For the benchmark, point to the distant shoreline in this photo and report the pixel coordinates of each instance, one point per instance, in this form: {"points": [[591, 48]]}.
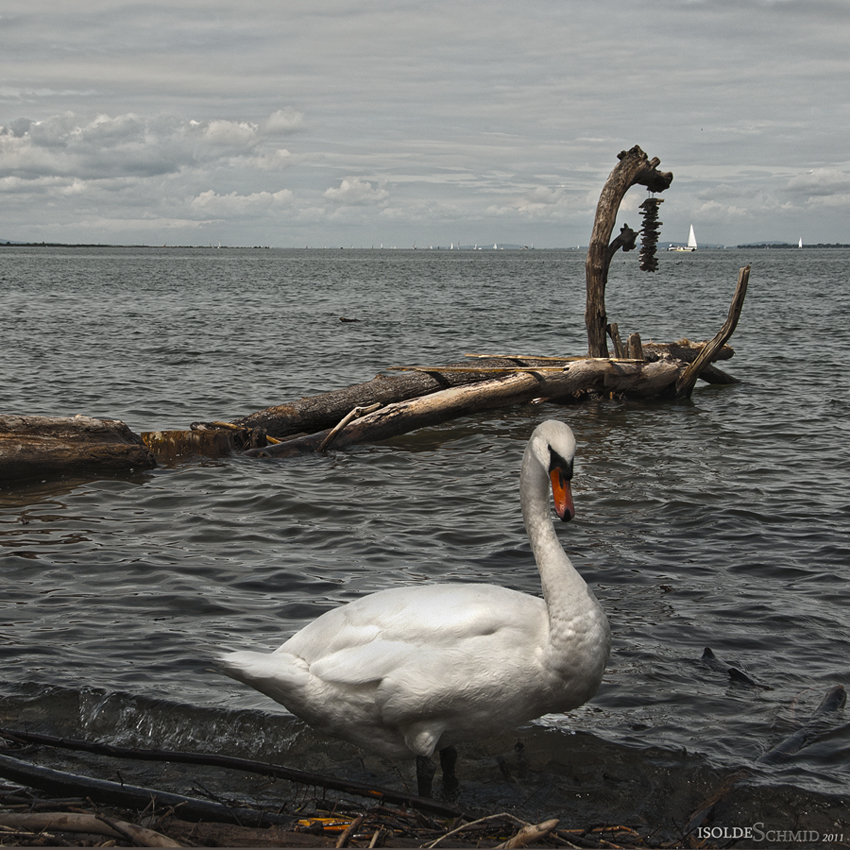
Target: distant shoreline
{"points": [[779, 246], [7, 244]]}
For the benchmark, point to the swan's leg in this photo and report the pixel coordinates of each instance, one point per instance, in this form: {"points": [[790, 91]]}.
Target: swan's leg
{"points": [[448, 760], [425, 771]]}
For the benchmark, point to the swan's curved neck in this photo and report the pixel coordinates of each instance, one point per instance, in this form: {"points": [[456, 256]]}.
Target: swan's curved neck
{"points": [[565, 591]]}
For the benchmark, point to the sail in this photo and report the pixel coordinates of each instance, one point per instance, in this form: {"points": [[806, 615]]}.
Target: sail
{"points": [[692, 240], [801, 243]]}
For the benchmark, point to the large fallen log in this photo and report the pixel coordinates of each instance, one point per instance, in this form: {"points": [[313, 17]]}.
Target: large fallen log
{"points": [[317, 413], [308, 415], [636, 379], [56, 445]]}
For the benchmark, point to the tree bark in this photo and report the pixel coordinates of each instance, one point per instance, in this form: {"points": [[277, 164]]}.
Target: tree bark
{"points": [[219, 440], [634, 167], [52, 445], [687, 351]]}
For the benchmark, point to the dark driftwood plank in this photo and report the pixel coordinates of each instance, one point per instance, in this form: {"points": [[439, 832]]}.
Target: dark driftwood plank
{"points": [[131, 796]]}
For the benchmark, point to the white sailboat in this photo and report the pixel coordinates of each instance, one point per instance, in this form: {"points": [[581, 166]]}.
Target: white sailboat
{"points": [[800, 245], [691, 246]]}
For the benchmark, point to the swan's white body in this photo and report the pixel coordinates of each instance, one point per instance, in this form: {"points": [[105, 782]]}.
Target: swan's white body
{"points": [[409, 670]]}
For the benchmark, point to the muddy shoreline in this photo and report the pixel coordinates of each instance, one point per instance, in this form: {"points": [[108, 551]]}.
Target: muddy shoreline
{"points": [[602, 795]]}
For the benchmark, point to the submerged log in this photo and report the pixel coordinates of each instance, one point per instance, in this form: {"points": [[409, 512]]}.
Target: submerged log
{"points": [[818, 725], [320, 412], [56, 445], [327, 409], [637, 379]]}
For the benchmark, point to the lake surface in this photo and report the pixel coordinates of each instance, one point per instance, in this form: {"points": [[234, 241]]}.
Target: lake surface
{"points": [[720, 522]]}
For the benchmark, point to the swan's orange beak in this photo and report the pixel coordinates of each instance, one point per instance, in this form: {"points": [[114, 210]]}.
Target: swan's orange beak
{"points": [[562, 494]]}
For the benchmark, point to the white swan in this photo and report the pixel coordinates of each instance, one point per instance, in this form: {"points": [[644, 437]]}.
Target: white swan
{"points": [[411, 670]]}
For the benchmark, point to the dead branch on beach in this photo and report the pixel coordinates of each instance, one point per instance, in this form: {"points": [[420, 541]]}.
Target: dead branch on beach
{"points": [[75, 809], [15, 769]]}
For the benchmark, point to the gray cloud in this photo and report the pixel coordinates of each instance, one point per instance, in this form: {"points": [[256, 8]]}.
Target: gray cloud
{"points": [[820, 183], [395, 121], [353, 191]]}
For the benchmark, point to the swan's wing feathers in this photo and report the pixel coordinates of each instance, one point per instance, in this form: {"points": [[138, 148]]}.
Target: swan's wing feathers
{"points": [[427, 615], [367, 663], [418, 632], [440, 614]]}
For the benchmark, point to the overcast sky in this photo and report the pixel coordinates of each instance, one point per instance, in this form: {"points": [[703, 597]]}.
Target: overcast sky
{"points": [[360, 122]]}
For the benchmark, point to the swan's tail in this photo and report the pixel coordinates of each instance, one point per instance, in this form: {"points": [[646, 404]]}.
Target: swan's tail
{"points": [[275, 674]]}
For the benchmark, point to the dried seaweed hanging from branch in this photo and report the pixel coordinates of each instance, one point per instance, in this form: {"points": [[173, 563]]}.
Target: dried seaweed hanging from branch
{"points": [[649, 234]]}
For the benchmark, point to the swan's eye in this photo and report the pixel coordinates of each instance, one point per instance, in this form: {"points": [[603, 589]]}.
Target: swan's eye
{"points": [[557, 462]]}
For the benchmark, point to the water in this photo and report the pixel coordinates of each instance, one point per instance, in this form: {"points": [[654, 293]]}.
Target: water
{"points": [[719, 522]]}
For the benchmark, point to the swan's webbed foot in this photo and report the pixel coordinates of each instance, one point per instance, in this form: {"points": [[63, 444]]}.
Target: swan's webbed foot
{"points": [[425, 771]]}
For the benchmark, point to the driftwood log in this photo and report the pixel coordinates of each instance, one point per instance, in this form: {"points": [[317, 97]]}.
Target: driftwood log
{"points": [[314, 414], [643, 379], [308, 415], [633, 168], [57, 445]]}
